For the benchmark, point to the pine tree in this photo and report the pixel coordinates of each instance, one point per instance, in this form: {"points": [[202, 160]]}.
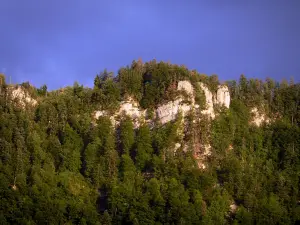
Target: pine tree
{"points": [[144, 148]]}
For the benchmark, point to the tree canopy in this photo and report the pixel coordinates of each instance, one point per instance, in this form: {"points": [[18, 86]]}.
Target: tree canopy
{"points": [[58, 166]]}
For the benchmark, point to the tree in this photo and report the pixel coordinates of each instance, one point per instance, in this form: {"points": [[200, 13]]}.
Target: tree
{"points": [[144, 148], [243, 85], [42, 91], [131, 82], [126, 135], [101, 78], [106, 219], [2, 83], [71, 148], [94, 168]]}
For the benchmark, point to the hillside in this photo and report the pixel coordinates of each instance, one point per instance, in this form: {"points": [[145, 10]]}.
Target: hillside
{"points": [[155, 144]]}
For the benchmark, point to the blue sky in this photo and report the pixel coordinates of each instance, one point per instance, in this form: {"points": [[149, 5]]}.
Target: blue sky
{"points": [[59, 41]]}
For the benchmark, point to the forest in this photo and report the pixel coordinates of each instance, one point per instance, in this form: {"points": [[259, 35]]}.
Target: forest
{"points": [[59, 165]]}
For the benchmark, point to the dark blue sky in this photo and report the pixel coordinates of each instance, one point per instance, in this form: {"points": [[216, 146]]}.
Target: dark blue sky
{"points": [[59, 41]]}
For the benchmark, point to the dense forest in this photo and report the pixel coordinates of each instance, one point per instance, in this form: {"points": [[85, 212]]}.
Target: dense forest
{"points": [[58, 165]]}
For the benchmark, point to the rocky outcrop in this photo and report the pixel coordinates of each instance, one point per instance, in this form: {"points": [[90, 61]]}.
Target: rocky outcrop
{"points": [[188, 88], [22, 97], [169, 111], [258, 117], [223, 96], [209, 101], [129, 108], [233, 207]]}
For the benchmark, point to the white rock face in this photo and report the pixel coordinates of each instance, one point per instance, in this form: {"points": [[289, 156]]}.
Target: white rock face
{"points": [[187, 87], [207, 150], [99, 113], [169, 111], [258, 118], [209, 101], [223, 96], [233, 207], [177, 146], [129, 108], [22, 97], [201, 165]]}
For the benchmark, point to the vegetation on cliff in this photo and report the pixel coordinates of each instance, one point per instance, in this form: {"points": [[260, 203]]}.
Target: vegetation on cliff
{"points": [[59, 166]]}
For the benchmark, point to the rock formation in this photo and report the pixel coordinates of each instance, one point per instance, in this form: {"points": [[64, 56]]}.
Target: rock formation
{"points": [[223, 96], [169, 111], [22, 97], [258, 117], [130, 108], [209, 101]]}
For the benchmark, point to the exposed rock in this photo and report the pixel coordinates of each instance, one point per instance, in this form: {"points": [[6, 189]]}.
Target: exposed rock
{"points": [[22, 96], [207, 150], [223, 96], [177, 146], [169, 111], [209, 101], [258, 118], [100, 113], [233, 208], [186, 86], [129, 108], [201, 165]]}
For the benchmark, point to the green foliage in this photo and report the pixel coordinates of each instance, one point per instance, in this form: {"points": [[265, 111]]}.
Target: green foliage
{"points": [[131, 82], [42, 91], [106, 92], [126, 135], [144, 148], [59, 165], [200, 97]]}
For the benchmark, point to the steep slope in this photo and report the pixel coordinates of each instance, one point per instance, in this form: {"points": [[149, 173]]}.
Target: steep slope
{"points": [[168, 112], [128, 150], [21, 96]]}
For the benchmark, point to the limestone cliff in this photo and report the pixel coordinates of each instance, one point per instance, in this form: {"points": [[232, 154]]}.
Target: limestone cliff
{"points": [[258, 117], [169, 111], [128, 107], [21, 96], [223, 96], [209, 101]]}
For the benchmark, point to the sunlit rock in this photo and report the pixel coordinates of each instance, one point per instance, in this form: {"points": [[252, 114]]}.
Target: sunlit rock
{"points": [[258, 117], [169, 111], [129, 108], [223, 96], [22, 97], [233, 208], [209, 101]]}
